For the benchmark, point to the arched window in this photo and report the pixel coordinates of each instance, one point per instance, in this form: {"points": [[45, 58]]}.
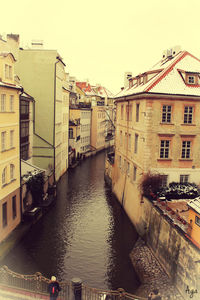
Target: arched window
{"points": [[12, 171], [3, 178]]}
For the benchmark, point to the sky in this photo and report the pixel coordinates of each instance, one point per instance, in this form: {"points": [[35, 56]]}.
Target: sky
{"points": [[100, 40]]}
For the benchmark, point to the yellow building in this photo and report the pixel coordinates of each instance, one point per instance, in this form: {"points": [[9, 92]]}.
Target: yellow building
{"points": [[98, 128], [157, 127], [194, 221], [10, 208]]}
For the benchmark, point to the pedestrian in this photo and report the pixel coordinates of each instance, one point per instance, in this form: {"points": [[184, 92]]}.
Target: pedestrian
{"points": [[53, 288], [154, 295]]}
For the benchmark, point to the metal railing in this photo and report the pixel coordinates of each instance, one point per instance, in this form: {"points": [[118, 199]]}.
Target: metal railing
{"points": [[74, 289]]}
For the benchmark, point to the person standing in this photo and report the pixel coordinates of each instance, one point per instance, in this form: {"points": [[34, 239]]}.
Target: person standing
{"points": [[53, 288], [154, 295]]}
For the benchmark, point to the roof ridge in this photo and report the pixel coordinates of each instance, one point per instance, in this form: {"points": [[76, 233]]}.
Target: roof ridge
{"points": [[166, 71]]}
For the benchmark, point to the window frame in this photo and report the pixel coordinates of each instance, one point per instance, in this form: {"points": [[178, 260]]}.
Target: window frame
{"points": [[188, 116], [166, 115], [185, 150], [165, 149], [184, 178]]}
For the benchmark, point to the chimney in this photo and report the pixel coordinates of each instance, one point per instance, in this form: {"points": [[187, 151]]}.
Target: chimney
{"points": [[127, 76]]}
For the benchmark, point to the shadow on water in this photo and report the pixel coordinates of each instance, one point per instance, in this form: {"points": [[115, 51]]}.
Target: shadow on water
{"points": [[86, 234]]}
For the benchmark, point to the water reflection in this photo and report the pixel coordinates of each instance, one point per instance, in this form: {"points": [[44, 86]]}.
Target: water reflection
{"points": [[86, 234]]}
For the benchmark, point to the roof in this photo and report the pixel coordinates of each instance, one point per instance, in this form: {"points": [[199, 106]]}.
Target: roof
{"points": [[5, 54], [27, 96], [92, 90], [167, 77], [195, 204], [10, 85], [28, 170]]}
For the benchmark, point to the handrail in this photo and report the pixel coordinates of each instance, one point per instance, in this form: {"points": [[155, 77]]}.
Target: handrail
{"points": [[37, 283]]}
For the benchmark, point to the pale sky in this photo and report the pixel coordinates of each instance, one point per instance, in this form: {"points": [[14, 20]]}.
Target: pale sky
{"points": [[100, 40]]}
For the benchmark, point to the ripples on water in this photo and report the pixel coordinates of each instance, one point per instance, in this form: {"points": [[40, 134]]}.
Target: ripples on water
{"points": [[86, 234]]}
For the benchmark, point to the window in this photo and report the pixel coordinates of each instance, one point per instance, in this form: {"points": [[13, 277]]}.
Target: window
{"points": [[191, 79], [11, 138], [125, 140], [127, 112], [3, 141], [120, 138], [3, 102], [6, 71], [24, 107], [14, 207], [11, 103], [128, 168], [188, 111], [186, 147], [166, 113], [12, 171], [70, 133], [24, 129], [129, 142], [197, 220], [134, 173], [10, 72], [184, 178], [136, 143], [4, 215], [125, 165], [130, 112], [137, 112], [164, 149], [3, 177], [122, 111], [164, 179], [24, 152]]}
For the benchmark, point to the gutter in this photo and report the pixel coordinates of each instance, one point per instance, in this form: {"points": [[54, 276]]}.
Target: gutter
{"points": [[54, 120], [20, 168], [150, 95]]}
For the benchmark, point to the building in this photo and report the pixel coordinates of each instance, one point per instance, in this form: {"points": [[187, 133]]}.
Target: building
{"points": [[26, 126], [194, 221], [157, 124], [42, 74], [102, 119], [10, 206]]}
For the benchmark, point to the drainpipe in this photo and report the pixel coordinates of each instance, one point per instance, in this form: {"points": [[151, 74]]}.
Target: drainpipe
{"points": [[54, 120], [20, 168]]}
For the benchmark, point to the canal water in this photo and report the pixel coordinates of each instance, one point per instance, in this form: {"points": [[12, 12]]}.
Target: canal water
{"points": [[86, 234]]}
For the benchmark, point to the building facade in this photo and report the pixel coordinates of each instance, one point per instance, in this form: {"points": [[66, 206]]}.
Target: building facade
{"points": [[42, 74], [10, 206]]}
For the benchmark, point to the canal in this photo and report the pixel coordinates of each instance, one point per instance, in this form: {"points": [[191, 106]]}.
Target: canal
{"points": [[86, 234]]}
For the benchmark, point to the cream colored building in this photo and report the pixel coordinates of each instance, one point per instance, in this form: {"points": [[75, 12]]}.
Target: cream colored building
{"points": [[157, 127], [42, 75], [10, 207]]}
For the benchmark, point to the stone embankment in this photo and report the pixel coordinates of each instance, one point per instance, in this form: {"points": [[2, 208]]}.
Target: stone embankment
{"points": [[151, 273]]}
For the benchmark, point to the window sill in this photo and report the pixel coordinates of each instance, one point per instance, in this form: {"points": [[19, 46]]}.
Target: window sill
{"points": [[164, 159], [166, 123], [186, 159], [188, 124], [5, 184]]}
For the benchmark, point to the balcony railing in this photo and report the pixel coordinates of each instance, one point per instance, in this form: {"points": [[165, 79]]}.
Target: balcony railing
{"points": [[38, 284]]}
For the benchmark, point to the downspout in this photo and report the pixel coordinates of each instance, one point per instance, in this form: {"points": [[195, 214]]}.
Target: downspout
{"points": [[54, 125], [20, 168]]}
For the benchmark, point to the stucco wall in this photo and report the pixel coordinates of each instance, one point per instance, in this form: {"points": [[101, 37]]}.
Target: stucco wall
{"points": [[178, 256]]}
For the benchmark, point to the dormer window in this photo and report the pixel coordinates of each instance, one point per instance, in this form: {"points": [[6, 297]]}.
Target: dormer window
{"points": [[191, 78]]}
